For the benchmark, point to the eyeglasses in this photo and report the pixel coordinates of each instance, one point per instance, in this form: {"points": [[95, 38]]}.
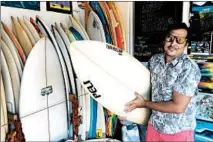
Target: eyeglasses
{"points": [[179, 40]]}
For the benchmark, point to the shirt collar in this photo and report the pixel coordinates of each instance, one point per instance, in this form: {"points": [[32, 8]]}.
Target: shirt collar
{"points": [[174, 61]]}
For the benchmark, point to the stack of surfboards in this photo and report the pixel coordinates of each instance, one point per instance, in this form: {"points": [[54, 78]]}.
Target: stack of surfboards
{"points": [[15, 47], [38, 77], [104, 23], [4, 120], [93, 123], [27, 73], [58, 37]]}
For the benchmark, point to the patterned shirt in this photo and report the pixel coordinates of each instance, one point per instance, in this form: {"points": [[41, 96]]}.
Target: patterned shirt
{"points": [[182, 75]]}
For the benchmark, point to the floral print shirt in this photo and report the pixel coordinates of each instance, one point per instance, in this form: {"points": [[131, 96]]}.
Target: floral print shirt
{"points": [[182, 75]]}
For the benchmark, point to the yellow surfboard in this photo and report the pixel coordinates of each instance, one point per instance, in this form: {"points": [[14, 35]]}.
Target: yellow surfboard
{"points": [[22, 36], [120, 31], [112, 24], [15, 41]]}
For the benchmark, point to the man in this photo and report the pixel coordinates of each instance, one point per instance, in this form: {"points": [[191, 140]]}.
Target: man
{"points": [[174, 80]]}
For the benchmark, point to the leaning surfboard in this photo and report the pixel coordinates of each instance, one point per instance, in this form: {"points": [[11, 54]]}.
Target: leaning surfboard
{"points": [[4, 121], [15, 41], [10, 99], [22, 36], [111, 76], [13, 73], [43, 109], [95, 28]]}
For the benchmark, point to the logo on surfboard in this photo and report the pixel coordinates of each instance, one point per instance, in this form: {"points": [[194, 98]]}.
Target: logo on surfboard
{"points": [[115, 49], [46, 91], [91, 88]]}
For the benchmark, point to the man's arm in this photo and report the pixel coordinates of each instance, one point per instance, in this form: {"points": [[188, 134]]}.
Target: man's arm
{"points": [[177, 105]]}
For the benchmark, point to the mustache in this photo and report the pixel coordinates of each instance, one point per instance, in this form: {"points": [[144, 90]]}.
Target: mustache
{"points": [[173, 47]]}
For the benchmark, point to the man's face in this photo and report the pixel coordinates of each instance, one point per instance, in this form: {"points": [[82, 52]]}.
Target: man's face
{"points": [[175, 43]]}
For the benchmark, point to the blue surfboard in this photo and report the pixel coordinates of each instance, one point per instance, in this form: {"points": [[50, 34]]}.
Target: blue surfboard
{"points": [[76, 34]]}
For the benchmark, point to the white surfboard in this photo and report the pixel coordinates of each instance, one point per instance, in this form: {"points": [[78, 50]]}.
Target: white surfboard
{"points": [[46, 30], [65, 54], [13, 51], [82, 132], [63, 35], [111, 76], [4, 121], [43, 109], [13, 73], [10, 100], [75, 25], [95, 28], [67, 60]]}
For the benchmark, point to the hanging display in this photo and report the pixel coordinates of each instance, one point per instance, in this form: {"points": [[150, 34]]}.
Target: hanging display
{"points": [[33, 5], [60, 6]]}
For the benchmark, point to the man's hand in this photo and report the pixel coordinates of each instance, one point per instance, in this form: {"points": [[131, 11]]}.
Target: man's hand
{"points": [[138, 102]]}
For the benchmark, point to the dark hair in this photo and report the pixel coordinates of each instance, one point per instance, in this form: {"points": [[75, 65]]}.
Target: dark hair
{"points": [[179, 26]]}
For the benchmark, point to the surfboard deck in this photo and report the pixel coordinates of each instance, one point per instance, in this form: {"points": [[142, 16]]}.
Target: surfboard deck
{"points": [[49, 119], [45, 29], [101, 59]]}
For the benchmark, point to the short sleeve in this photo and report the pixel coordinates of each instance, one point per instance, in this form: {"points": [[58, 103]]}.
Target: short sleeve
{"points": [[188, 80], [150, 62]]}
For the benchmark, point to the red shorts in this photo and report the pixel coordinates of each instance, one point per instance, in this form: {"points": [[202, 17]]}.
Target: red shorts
{"points": [[153, 135]]}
